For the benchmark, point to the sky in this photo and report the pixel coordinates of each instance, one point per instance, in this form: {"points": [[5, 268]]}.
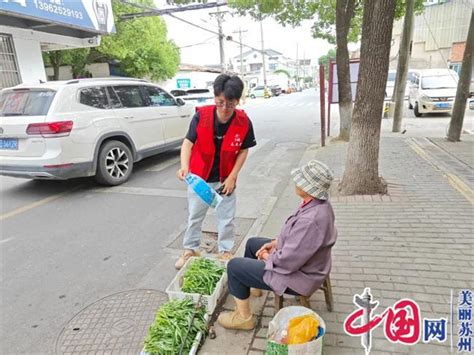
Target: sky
{"points": [[282, 39]]}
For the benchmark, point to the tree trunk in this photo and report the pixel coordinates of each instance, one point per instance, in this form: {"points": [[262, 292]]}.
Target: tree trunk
{"points": [[55, 59], [344, 15], [361, 174], [402, 67], [462, 92]]}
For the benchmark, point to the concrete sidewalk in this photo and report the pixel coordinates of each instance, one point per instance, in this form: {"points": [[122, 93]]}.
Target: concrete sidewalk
{"points": [[416, 242]]}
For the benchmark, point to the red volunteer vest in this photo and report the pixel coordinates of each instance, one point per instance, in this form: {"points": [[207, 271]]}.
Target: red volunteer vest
{"points": [[203, 152]]}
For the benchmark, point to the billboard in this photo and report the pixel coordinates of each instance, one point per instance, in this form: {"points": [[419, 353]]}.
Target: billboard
{"points": [[90, 15], [333, 80]]}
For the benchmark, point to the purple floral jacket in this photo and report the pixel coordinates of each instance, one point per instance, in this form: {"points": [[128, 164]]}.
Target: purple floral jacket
{"points": [[302, 258]]}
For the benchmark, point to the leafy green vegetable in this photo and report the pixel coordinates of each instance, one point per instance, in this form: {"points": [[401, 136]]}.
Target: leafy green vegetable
{"points": [[171, 324], [202, 277]]}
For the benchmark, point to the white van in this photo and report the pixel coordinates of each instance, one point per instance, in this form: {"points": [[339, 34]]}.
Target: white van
{"points": [[432, 90]]}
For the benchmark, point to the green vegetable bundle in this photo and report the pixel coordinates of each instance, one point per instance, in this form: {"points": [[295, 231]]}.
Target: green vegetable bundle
{"points": [[202, 277], [171, 325]]}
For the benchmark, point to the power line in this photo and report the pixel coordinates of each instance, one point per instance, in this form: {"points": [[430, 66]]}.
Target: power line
{"points": [[156, 12], [197, 44], [149, 11]]}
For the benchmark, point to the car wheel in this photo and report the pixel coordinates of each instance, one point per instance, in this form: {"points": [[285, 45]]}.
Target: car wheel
{"points": [[410, 106], [114, 164], [252, 96], [417, 113]]}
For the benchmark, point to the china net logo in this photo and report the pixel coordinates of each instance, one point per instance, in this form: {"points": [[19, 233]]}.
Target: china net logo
{"points": [[403, 324]]}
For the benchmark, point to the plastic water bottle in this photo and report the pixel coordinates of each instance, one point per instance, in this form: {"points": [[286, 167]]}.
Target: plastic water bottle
{"points": [[205, 192]]}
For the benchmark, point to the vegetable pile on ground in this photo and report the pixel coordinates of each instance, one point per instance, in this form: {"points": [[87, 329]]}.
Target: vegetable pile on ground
{"points": [[171, 325], [202, 277]]}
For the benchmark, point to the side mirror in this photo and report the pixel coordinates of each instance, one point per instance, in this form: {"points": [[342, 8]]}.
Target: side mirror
{"points": [[180, 101]]}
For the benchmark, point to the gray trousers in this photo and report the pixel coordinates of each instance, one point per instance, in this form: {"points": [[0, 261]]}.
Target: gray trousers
{"points": [[225, 214]]}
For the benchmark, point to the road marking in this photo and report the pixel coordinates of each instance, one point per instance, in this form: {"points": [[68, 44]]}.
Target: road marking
{"points": [[143, 191], [459, 185], [5, 240], [164, 165], [453, 179], [35, 204]]}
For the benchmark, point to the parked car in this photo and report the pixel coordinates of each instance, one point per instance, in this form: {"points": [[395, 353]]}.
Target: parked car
{"points": [[199, 97], [390, 86], [87, 127], [432, 90], [178, 92], [276, 90], [259, 91]]}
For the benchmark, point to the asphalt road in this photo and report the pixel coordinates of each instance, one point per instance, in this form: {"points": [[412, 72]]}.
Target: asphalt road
{"points": [[65, 245]]}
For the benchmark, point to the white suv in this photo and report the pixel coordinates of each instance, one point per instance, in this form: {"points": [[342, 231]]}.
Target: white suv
{"points": [[88, 127]]}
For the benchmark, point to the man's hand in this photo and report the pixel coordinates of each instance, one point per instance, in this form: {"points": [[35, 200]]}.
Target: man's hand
{"points": [[266, 248], [181, 173], [229, 185]]}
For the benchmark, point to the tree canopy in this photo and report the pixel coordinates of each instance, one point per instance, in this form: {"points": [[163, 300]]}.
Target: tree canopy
{"points": [[323, 12], [140, 46]]}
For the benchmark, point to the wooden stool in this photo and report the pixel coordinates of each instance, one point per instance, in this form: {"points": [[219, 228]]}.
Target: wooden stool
{"points": [[304, 300]]}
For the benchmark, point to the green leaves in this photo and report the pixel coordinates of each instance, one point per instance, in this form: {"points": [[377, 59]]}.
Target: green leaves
{"points": [[170, 328], [202, 277], [141, 45]]}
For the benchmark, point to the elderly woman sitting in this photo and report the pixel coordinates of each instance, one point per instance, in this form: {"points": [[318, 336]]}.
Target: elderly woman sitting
{"points": [[298, 261]]}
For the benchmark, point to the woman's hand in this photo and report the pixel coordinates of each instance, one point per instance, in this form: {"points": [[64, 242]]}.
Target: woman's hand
{"points": [[266, 248], [181, 173], [229, 185], [263, 255]]}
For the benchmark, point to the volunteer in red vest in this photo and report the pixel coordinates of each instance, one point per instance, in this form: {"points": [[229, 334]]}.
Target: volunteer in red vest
{"points": [[215, 148]]}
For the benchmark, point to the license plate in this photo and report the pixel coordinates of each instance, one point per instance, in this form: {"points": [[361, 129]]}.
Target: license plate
{"points": [[9, 143], [443, 105]]}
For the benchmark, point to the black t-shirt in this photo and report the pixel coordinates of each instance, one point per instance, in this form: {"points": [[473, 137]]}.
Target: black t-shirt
{"points": [[220, 129]]}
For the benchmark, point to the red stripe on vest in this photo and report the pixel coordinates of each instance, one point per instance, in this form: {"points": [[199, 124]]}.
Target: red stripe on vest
{"points": [[203, 152]]}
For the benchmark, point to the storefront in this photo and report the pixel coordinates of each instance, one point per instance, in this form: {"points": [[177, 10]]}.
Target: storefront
{"points": [[29, 27]]}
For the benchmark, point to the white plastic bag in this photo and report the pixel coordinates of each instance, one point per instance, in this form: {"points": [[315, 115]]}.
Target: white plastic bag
{"points": [[280, 322]]}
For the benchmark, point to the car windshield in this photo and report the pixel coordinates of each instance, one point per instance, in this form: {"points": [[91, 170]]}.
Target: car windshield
{"points": [[26, 102], [438, 82]]}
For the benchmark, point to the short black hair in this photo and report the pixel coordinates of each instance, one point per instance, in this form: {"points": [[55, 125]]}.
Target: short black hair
{"points": [[231, 86]]}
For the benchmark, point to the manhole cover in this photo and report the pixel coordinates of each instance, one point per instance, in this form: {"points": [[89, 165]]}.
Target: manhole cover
{"points": [[116, 324]]}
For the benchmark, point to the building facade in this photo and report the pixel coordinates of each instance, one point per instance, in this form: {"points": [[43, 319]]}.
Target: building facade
{"points": [[27, 28], [279, 70], [438, 30]]}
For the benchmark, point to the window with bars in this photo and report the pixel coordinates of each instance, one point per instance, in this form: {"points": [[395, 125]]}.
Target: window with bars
{"points": [[9, 73]]}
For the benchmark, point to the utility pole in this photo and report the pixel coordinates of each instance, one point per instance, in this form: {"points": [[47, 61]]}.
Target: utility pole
{"points": [[404, 54], [297, 68], [241, 51], [462, 92], [220, 18], [304, 69], [263, 57]]}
